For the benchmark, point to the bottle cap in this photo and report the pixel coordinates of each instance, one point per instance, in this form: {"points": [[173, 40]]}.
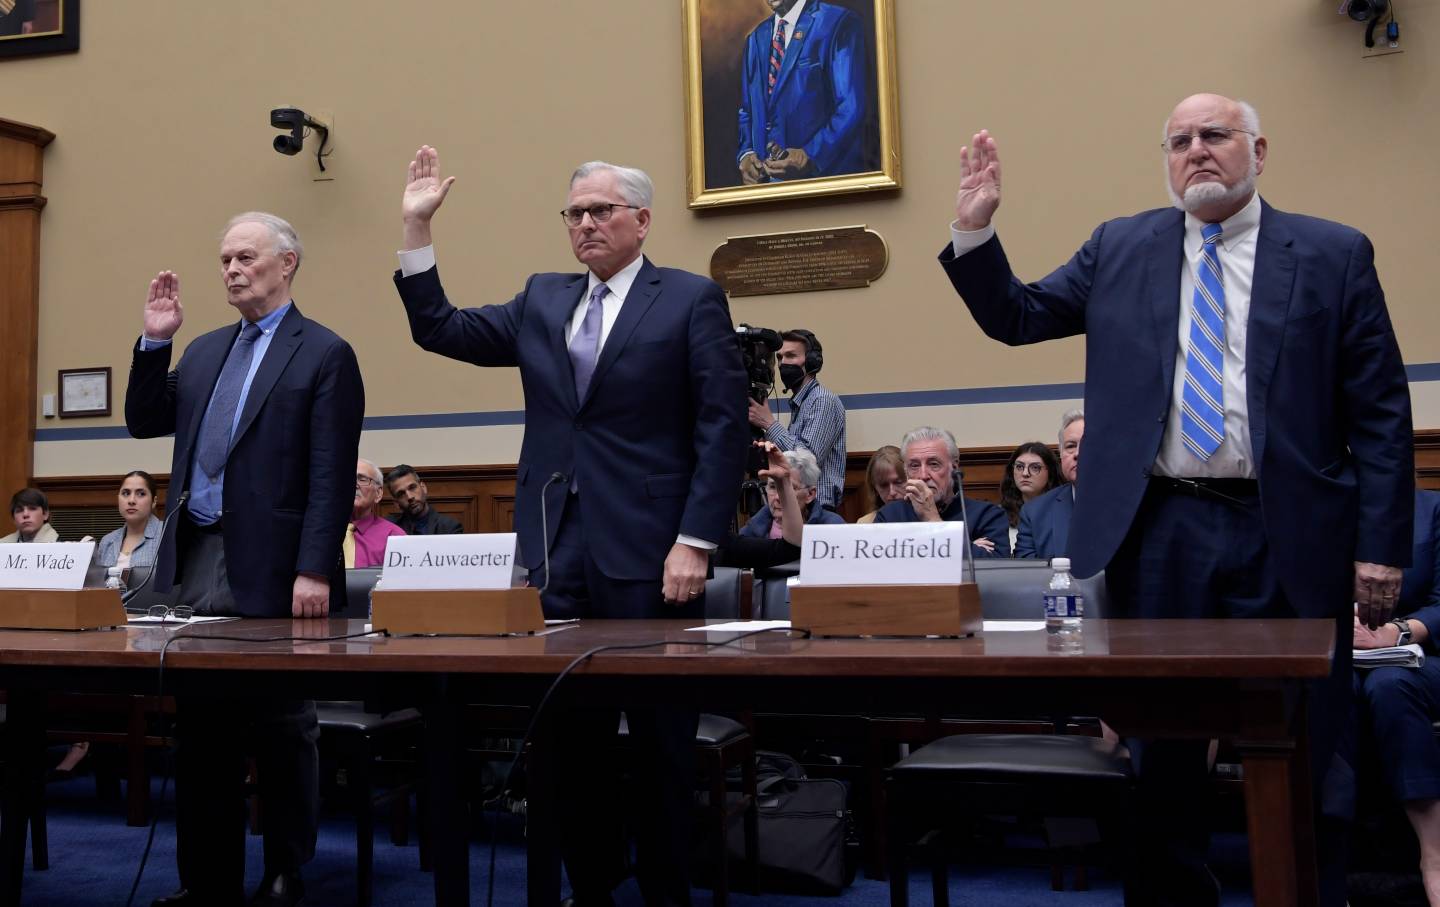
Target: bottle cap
{"points": [[1060, 563]]}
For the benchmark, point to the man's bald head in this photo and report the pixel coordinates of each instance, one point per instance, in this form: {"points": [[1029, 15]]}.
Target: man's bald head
{"points": [[1214, 152]]}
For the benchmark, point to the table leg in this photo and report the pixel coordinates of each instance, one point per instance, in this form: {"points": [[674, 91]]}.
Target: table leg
{"points": [[24, 785], [542, 839], [1281, 825], [445, 810]]}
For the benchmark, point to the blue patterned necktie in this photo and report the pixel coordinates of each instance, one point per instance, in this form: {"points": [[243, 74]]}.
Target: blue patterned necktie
{"points": [[214, 444], [585, 345], [1202, 412]]}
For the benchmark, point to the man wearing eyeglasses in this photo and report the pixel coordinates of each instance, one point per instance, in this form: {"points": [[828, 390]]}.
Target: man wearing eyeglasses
{"points": [[365, 537], [635, 438], [1251, 451]]}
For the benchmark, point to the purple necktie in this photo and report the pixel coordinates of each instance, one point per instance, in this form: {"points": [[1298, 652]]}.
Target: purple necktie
{"points": [[585, 345]]}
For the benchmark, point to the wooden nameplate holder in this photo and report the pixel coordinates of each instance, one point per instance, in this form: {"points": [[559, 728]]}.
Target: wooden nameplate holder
{"points": [[470, 612], [931, 609], [61, 609]]}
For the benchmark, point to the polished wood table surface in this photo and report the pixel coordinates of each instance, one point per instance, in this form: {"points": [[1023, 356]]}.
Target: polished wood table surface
{"points": [[1232, 679]]}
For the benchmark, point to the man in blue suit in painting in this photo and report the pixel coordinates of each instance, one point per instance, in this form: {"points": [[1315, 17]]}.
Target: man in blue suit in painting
{"points": [[805, 103], [1251, 447], [635, 438], [1045, 521]]}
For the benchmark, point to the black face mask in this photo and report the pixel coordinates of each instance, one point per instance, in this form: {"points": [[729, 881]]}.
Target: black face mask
{"points": [[792, 376]]}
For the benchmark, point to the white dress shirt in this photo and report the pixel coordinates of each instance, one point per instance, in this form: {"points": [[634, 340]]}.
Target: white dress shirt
{"points": [[1237, 264]]}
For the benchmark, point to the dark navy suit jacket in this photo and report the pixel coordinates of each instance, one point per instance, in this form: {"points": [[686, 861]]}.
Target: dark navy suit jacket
{"points": [[821, 101], [1045, 524], [1420, 590], [987, 521], [289, 480], [1329, 406], [658, 444]]}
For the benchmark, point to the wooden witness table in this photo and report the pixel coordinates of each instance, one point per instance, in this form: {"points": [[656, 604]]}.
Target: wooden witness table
{"points": [[1234, 679]]}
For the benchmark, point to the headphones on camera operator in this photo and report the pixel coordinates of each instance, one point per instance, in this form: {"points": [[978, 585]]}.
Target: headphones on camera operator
{"points": [[814, 357]]}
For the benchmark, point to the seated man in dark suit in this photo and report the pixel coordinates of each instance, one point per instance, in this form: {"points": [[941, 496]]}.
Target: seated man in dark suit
{"points": [[1045, 521], [416, 516], [932, 485]]}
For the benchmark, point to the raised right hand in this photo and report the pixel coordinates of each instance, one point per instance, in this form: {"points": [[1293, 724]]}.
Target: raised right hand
{"points": [[979, 193], [163, 312], [777, 468], [424, 189]]}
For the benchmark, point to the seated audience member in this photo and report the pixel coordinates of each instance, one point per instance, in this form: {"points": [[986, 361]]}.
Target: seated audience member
{"points": [[1400, 705], [804, 473], [766, 549], [932, 485], [136, 543], [1031, 471], [365, 537], [416, 516], [30, 510], [1044, 530], [884, 481]]}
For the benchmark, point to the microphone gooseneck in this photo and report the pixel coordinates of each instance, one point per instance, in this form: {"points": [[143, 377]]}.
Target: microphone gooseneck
{"points": [[969, 530], [159, 543], [545, 522]]}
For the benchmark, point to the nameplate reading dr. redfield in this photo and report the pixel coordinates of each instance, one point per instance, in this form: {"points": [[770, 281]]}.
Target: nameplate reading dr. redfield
{"points": [[887, 554], [481, 561], [45, 565]]}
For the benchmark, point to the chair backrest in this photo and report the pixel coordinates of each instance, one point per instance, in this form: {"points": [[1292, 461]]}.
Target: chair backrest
{"points": [[1011, 589], [772, 592], [358, 583], [722, 594]]}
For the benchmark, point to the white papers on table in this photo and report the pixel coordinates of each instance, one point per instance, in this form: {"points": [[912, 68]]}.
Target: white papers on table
{"points": [[1411, 656], [745, 626], [171, 620]]}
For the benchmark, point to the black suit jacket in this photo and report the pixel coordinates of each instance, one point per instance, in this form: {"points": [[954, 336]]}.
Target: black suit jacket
{"points": [[289, 480]]}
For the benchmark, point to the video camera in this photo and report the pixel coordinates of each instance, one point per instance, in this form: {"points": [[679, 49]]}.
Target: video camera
{"points": [[758, 347]]}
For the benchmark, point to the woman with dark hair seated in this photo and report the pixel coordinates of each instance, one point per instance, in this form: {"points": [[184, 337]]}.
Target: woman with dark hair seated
{"points": [[884, 481], [1032, 470], [136, 543], [1400, 705]]}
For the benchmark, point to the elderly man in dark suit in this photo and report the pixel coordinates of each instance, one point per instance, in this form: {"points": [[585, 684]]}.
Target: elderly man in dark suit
{"points": [[635, 438], [266, 414], [1251, 445], [933, 493]]}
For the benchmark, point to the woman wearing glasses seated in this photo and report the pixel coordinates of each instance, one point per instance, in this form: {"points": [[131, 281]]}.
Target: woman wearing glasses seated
{"points": [[1031, 471], [773, 535]]}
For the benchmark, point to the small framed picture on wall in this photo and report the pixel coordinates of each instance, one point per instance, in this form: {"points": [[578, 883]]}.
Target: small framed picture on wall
{"points": [[84, 392], [29, 27]]}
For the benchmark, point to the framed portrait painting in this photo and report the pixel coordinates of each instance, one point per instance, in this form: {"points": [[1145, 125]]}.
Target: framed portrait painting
{"points": [[789, 99], [30, 27]]}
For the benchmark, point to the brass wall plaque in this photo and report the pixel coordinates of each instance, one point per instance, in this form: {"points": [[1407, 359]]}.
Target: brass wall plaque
{"points": [[830, 259]]}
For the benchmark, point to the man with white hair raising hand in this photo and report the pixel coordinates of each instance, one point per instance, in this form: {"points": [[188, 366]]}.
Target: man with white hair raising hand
{"points": [[1249, 421]]}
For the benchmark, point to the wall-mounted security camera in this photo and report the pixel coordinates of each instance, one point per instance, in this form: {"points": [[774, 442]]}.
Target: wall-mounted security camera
{"points": [[1371, 12], [296, 121]]}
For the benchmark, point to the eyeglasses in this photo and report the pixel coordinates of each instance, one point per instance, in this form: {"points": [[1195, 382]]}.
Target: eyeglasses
{"points": [[1212, 136], [1029, 469], [366, 482], [574, 217], [180, 612]]}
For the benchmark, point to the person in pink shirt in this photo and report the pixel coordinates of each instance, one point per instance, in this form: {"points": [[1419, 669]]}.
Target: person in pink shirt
{"points": [[365, 537]]}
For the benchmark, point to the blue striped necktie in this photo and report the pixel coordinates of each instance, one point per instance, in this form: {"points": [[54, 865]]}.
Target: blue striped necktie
{"points": [[1202, 413]]}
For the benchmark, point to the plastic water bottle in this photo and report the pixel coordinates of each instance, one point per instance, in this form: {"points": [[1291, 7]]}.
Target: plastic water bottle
{"points": [[1064, 604]]}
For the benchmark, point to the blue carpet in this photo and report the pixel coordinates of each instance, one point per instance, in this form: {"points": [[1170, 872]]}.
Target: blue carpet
{"points": [[93, 856]]}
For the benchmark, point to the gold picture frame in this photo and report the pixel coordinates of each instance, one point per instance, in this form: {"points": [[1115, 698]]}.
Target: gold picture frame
{"points": [[728, 54]]}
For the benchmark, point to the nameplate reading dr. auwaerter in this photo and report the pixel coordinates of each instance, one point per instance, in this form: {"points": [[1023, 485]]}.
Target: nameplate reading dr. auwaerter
{"points": [[482, 561], [883, 554], [831, 259]]}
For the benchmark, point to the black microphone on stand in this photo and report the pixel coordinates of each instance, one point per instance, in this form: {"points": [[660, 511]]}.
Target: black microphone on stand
{"points": [[159, 543], [545, 522], [959, 478]]}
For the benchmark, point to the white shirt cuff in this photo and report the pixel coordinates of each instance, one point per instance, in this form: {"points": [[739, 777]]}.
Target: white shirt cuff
{"points": [[146, 344], [693, 542], [416, 261], [962, 241]]}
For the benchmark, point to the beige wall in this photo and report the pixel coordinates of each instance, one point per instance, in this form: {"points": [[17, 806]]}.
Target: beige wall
{"points": [[162, 132]]}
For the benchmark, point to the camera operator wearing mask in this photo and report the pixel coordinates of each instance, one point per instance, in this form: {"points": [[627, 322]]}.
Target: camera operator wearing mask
{"points": [[817, 417]]}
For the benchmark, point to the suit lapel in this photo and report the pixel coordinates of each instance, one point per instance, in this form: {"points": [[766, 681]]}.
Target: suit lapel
{"points": [[287, 339], [637, 302], [557, 319], [1165, 258], [794, 47], [1270, 297]]}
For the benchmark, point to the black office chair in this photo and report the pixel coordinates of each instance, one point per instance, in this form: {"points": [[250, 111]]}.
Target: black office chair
{"points": [[772, 592], [1039, 775]]}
